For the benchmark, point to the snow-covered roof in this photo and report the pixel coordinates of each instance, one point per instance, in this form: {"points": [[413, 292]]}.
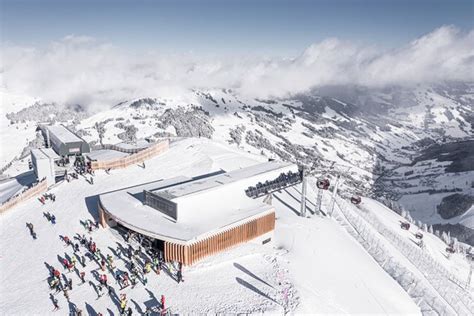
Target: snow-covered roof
{"points": [[105, 154], [44, 153], [63, 134], [126, 207], [139, 144], [205, 205], [220, 180]]}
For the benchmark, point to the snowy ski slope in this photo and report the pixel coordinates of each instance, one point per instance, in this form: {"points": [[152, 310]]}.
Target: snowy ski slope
{"points": [[313, 265]]}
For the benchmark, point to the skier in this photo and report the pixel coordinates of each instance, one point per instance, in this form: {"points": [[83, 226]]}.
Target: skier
{"points": [[110, 261], [147, 267], [123, 303], [53, 219], [67, 240], [93, 247], [74, 261], [66, 294], [83, 261], [66, 263], [97, 255], [82, 275], [133, 279], [156, 264], [103, 279], [162, 302], [137, 252], [69, 284], [125, 280], [54, 282], [102, 265], [99, 291], [31, 228], [70, 267], [179, 276], [118, 251], [56, 273], [55, 303], [117, 276], [83, 240], [110, 290], [92, 180], [129, 311], [59, 286]]}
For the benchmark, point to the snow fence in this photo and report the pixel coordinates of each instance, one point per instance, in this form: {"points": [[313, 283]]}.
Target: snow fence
{"points": [[137, 156], [35, 190]]}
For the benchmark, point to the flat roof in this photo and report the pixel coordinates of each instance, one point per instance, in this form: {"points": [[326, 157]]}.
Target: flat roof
{"points": [[63, 134], [44, 153], [207, 204], [126, 206], [139, 144], [219, 180], [105, 154]]}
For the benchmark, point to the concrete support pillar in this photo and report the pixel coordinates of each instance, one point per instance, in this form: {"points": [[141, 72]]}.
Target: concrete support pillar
{"points": [[303, 197]]}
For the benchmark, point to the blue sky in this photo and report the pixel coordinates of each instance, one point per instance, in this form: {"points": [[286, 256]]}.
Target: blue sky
{"points": [[275, 28]]}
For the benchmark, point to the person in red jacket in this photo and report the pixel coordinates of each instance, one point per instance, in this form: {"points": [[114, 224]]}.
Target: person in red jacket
{"points": [[103, 279], [67, 240], [163, 302], [66, 263]]}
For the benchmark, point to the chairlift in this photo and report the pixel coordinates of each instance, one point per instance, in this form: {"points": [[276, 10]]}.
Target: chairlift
{"points": [[356, 199], [323, 184], [450, 249]]}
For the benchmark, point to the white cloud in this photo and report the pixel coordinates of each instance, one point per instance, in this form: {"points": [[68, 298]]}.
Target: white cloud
{"points": [[79, 69]]}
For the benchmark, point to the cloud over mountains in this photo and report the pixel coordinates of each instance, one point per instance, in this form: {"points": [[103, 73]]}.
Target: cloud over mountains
{"points": [[79, 69]]}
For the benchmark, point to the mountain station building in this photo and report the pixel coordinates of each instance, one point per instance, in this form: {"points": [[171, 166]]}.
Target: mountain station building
{"points": [[191, 218], [65, 142]]}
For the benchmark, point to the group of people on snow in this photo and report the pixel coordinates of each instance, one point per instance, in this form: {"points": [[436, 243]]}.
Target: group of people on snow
{"points": [[138, 263]]}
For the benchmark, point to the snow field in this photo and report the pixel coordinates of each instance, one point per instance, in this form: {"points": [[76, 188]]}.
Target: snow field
{"points": [[325, 271], [430, 284]]}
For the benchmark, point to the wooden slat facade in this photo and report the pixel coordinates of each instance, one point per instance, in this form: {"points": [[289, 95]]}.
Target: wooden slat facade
{"points": [[189, 254]]}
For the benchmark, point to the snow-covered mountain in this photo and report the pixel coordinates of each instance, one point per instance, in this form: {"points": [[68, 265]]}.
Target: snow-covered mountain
{"points": [[409, 148], [369, 136]]}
